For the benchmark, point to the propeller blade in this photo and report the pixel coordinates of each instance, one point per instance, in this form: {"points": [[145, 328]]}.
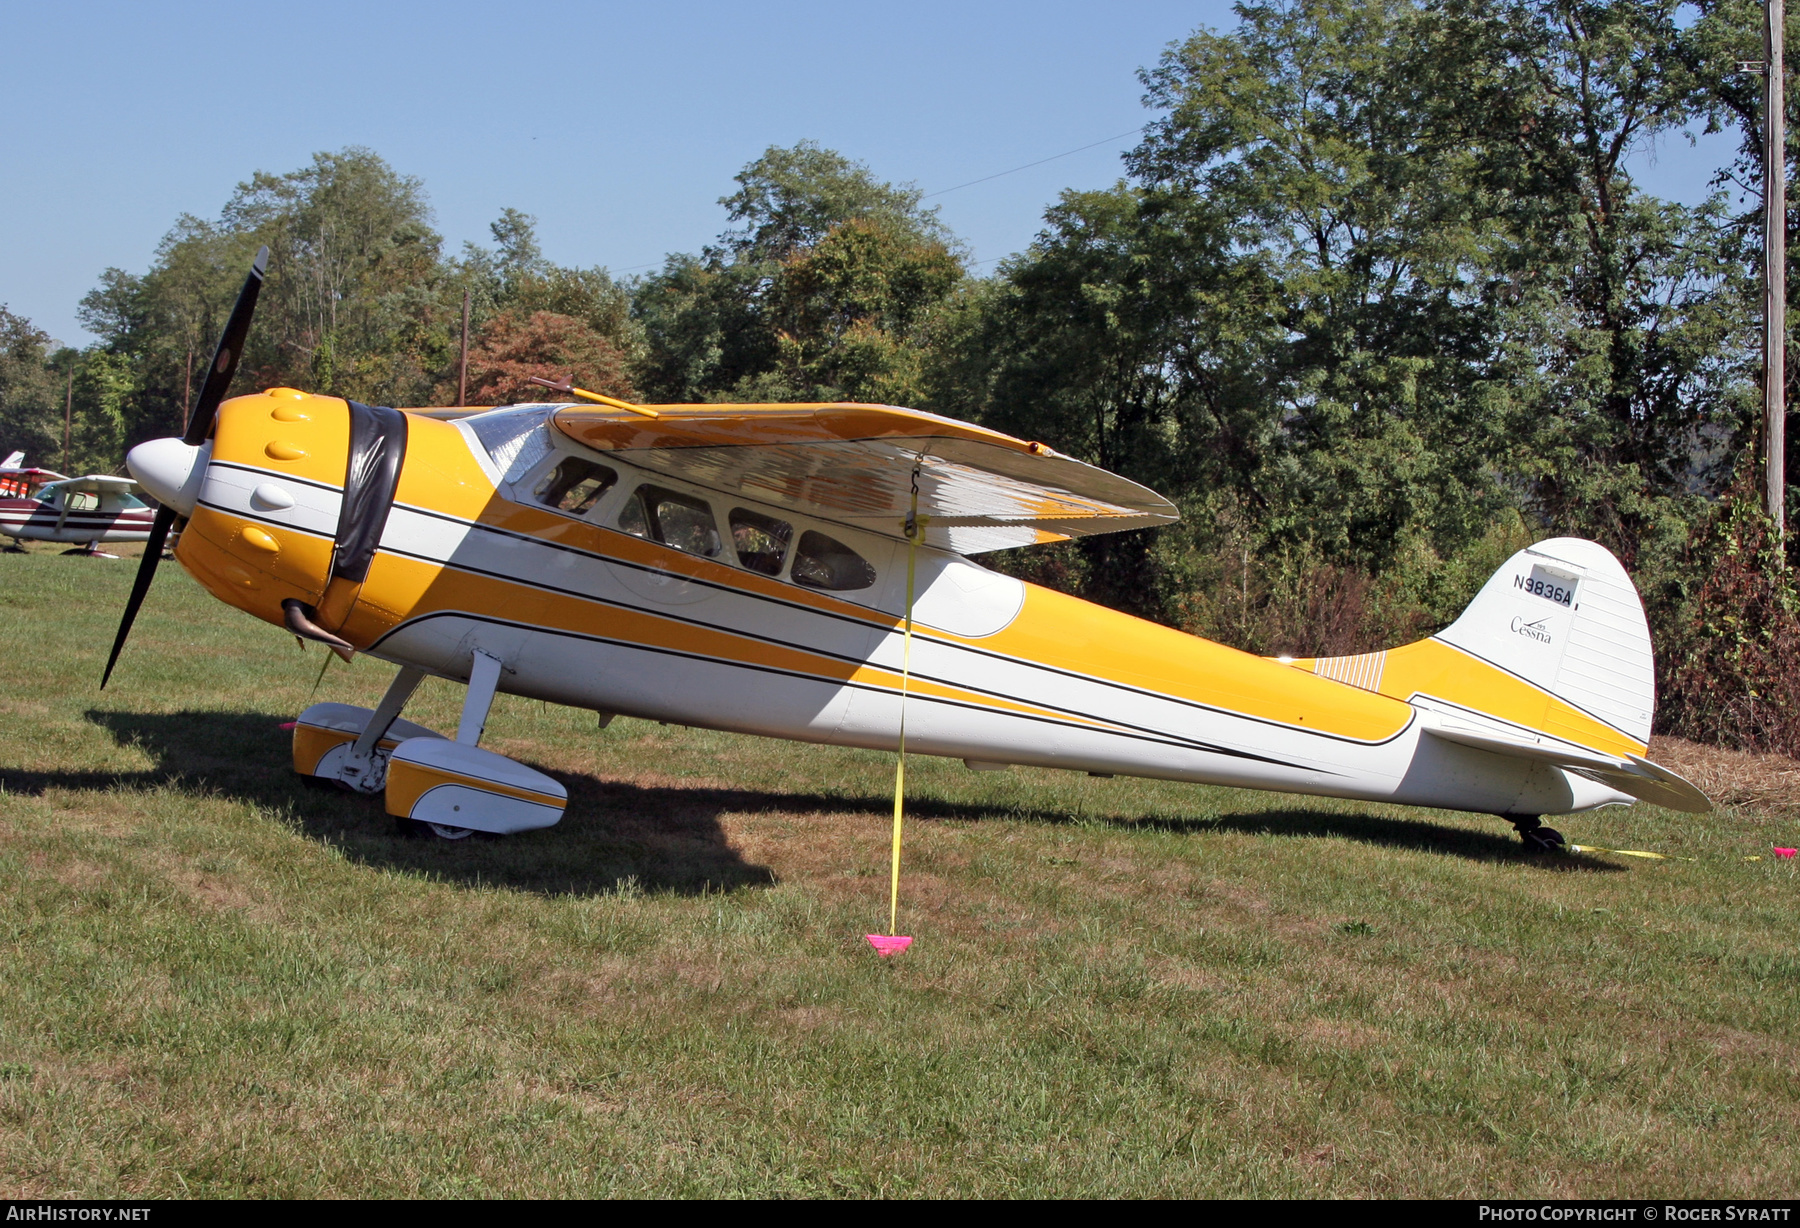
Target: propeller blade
{"points": [[159, 533], [199, 426], [225, 360]]}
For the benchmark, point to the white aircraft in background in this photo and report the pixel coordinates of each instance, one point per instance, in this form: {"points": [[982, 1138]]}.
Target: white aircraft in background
{"points": [[43, 505]]}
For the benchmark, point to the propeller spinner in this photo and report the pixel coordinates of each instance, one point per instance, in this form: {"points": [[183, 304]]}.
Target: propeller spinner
{"points": [[171, 469]]}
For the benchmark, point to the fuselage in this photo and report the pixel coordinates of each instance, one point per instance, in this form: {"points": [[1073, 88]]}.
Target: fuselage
{"points": [[483, 548]]}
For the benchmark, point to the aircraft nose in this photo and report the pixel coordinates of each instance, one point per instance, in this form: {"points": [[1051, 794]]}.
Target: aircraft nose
{"points": [[171, 470]]}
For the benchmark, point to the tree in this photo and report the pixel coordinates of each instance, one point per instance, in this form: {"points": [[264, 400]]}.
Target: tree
{"points": [[510, 350], [30, 407], [358, 302], [820, 290], [790, 199], [1632, 318], [350, 306], [1379, 273], [513, 280]]}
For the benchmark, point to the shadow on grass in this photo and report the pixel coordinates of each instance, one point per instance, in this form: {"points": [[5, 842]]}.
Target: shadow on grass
{"points": [[612, 836], [617, 834], [1419, 835]]}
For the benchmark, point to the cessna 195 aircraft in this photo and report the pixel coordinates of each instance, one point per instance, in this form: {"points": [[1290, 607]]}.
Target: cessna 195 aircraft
{"points": [[746, 567], [40, 505]]}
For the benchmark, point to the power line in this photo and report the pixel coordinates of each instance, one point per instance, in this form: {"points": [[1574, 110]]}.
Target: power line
{"points": [[971, 183], [1053, 157]]}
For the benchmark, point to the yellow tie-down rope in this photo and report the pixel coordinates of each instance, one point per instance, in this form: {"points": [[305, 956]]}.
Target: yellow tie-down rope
{"points": [[1594, 848], [915, 528]]}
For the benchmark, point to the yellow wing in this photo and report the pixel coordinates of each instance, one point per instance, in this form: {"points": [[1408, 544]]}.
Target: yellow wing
{"points": [[854, 464]]}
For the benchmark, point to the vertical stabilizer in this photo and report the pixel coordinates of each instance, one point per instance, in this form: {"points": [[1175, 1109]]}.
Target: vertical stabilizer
{"points": [[1563, 616], [1555, 644]]}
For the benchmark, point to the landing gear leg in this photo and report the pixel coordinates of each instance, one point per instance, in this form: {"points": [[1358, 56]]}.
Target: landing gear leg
{"points": [[366, 771], [484, 678], [1537, 837]]}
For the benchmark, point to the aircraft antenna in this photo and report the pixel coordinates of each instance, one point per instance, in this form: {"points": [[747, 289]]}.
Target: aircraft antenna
{"points": [[568, 389]]}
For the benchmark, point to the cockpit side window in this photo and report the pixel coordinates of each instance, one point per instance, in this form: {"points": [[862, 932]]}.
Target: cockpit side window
{"points": [[575, 485], [672, 518], [827, 563], [761, 541]]}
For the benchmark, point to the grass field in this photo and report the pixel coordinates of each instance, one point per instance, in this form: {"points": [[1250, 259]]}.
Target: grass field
{"points": [[216, 982]]}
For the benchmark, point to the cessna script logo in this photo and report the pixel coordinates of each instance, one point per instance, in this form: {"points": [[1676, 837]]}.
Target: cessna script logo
{"points": [[1533, 630]]}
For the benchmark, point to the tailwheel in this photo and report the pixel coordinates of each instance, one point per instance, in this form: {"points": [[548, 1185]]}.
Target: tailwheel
{"points": [[444, 831], [1537, 837]]}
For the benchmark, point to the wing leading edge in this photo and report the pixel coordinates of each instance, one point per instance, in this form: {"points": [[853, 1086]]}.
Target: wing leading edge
{"points": [[980, 490]]}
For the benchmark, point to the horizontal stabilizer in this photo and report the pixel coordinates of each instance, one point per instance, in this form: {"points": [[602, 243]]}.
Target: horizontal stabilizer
{"points": [[1653, 783], [1650, 782], [1560, 753]]}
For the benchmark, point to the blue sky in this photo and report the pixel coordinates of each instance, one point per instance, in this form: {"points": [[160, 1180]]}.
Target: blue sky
{"points": [[619, 126]]}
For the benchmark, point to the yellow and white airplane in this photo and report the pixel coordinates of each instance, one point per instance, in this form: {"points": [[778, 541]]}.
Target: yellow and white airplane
{"points": [[746, 567]]}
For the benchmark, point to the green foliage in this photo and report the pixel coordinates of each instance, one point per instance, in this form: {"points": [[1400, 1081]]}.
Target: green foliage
{"points": [[515, 277], [1380, 284], [359, 302], [1730, 658], [30, 410], [788, 200], [822, 291], [347, 307]]}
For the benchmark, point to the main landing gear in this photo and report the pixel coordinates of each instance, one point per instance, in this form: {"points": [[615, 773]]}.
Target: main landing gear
{"points": [[450, 790], [1537, 837]]}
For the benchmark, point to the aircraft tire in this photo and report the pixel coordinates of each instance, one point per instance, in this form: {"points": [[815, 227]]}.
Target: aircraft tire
{"points": [[443, 831], [1543, 840], [1536, 837]]}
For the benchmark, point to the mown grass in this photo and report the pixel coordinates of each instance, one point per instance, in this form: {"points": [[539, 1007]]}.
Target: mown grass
{"points": [[216, 982]]}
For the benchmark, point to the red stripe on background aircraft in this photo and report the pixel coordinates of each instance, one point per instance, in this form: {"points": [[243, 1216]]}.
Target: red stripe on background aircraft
{"points": [[745, 567]]}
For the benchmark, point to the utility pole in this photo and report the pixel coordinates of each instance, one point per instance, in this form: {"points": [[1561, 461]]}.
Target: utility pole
{"points": [[462, 363], [1775, 263], [68, 414]]}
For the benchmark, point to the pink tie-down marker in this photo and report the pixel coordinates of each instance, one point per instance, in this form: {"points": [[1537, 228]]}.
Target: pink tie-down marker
{"points": [[886, 945], [1786, 852]]}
